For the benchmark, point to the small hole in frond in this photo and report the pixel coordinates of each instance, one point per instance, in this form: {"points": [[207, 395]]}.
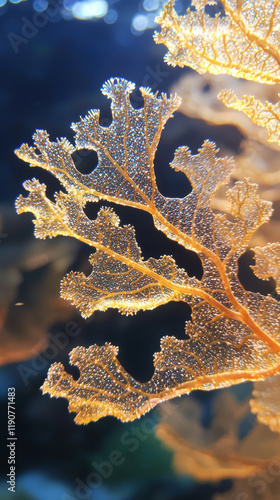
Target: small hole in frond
{"points": [[170, 183], [249, 280], [148, 327], [73, 370], [91, 209], [136, 99], [105, 117], [213, 10], [105, 121], [153, 243], [86, 160]]}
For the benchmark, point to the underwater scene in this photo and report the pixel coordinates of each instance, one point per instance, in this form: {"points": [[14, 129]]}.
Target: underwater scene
{"points": [[140, 254]]}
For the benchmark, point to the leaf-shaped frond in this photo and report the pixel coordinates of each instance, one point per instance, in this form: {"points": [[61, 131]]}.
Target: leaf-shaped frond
{"points": [[199, 100], [243, 43], [233, 334], [266, 115], [220, 352], [249, 211], [266, 402], [120, 277], [125, 150]]}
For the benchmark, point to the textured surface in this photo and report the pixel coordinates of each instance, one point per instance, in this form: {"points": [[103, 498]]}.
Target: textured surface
{"points": [[243, 43], [268, 263], [233, 335], [265, 114], [266, 402]]}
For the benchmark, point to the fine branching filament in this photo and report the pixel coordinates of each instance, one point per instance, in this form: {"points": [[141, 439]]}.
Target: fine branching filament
{"points": [[233, 335]]}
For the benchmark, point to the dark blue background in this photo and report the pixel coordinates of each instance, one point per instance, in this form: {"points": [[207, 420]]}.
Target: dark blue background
{"points": [[53, 80]]}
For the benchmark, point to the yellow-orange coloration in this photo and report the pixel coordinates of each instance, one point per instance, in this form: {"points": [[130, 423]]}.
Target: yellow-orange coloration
{"points": [[266, 402], [216, 452], [200, 99], [268, 263], [243, 488], [234, 334], [267, 115], [243, 43]]}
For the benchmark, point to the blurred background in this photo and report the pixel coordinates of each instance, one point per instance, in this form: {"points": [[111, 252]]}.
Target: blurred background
{"points": [[55, 56]]}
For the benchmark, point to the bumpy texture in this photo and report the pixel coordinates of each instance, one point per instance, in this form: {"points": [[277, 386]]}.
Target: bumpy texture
{"points": [[244, 42], [233, 335]]}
